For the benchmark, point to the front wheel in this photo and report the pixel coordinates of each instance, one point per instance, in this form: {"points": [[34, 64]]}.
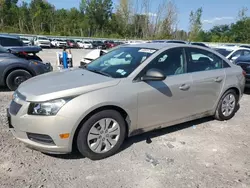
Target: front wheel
{"points": [[16, 77], [101, 135], [227, 106]]}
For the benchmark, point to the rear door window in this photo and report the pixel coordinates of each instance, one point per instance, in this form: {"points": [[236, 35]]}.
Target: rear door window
{"points": [[202, 60]]}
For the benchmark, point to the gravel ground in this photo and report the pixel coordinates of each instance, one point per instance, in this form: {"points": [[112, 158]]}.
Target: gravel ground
{"points": [[201, 153]]}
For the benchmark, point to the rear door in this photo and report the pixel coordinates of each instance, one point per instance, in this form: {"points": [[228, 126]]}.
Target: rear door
{"points": [[208, 78]]}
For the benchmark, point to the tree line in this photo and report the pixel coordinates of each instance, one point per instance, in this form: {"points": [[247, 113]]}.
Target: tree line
{"points": [[129, 19]]}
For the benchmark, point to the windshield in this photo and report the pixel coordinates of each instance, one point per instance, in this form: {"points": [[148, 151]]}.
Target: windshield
{"points": [[223, 52], [3, 50], [24, 39], [121, 62]]}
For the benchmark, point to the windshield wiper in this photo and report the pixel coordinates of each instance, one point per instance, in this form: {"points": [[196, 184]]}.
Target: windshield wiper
{"points": [[98, 72]]}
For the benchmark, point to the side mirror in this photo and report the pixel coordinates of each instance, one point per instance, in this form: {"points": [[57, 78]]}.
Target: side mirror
{"points": [[153, 75]]}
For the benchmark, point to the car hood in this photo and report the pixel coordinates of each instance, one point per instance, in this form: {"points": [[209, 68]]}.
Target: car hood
{"points": [[94, 54], [65, 83]]}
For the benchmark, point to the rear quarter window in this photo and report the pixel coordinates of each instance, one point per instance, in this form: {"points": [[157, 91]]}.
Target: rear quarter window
{"points": [[10, 42]]}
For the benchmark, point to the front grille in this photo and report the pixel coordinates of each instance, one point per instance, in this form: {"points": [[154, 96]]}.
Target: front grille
{"points": [[40, 138], [14, 107]]}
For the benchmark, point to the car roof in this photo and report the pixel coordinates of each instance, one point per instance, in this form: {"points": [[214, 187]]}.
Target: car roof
{"points": [[158, 46], [9, 36]]}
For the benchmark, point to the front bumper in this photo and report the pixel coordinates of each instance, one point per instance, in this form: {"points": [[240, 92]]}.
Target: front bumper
{"points": [[22, 125], [41, 68]]}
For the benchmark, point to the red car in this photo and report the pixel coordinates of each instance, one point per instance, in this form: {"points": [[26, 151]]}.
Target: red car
{"points": [[109, 44], [72, 44]]}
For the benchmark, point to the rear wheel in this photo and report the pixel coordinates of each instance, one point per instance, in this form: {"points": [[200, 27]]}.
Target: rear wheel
{"points": [[101, 135], [227, 105], [16, 77]]}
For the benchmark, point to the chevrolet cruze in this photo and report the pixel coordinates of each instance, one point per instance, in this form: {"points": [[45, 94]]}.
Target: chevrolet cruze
{"points": [[128, 91]]}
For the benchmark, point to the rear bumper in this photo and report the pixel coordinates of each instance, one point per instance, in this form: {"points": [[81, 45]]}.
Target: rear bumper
{"points": [[41, 69]]}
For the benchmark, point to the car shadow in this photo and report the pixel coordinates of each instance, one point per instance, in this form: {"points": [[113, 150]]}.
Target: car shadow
{"points": [[159, 132], [161, 87], [4, 89], [75, 155], [71, 156], [247, 91]]}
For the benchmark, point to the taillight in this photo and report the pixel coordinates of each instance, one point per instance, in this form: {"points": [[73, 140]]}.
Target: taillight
{"points": [[244, 73], [23, 53]]}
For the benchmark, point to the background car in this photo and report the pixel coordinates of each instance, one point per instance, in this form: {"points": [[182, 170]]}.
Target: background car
{"points": [[87, 45], [94, 54], [15, 45], [232, 53], [109, 44], [128, 91], [26, 41], [59, 43], [244, 46], [15, 70], [99, 44], [199, 44], [71, 43], [169, 41], [42, 41], [80, 43], [117, 43], [244, 62]]}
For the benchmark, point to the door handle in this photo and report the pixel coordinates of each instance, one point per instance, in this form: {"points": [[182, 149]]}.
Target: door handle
{"points": [[218, 79], [184, 87]]}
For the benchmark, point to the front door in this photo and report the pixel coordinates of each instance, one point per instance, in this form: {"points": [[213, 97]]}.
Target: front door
{"points": [[164, 101]]}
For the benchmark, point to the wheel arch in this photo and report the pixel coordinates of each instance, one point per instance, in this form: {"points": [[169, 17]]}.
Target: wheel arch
{"points": [[9, 70], [237, 90], [123, 113]]}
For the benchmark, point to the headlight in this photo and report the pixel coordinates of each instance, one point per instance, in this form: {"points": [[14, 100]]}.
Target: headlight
{"points": [[49, 108]]}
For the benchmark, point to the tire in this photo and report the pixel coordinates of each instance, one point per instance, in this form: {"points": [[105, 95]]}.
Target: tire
{"points": [[83, 144], [16, 77], [219, 114]]}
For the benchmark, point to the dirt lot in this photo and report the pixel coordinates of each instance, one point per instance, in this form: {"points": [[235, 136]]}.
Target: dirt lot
{"points": [[198, 154]]}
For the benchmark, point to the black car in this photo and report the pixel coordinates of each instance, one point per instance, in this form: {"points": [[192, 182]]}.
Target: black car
{"points": [[16, 46], [99, 45], [244, 62], [14, 70]]}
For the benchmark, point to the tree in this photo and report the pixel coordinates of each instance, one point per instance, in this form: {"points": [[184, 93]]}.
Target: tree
{"points": [[195, 24], [170, 20]]}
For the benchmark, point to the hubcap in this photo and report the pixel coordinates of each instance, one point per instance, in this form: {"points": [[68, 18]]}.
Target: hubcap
{"points": [[19, 79], [228, 105], [103, 135]]}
